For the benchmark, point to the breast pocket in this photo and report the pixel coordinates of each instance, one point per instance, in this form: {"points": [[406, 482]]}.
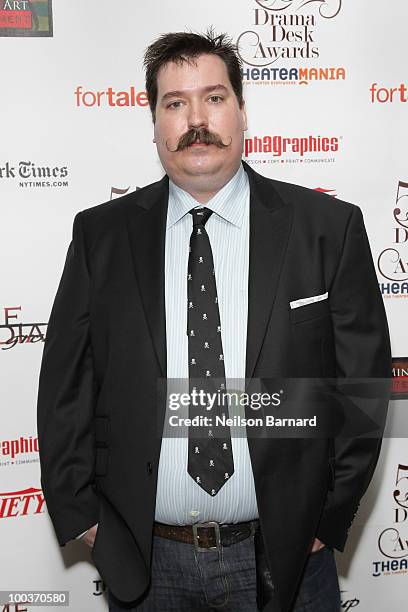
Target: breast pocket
{"points": [[315, 310], [312, 336]]}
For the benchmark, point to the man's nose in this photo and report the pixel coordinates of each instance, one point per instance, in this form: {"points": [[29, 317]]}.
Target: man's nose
{"points": [[197, 117]]}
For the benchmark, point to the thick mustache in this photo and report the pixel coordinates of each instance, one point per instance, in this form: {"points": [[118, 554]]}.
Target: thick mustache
{"points": [[201, 134]]}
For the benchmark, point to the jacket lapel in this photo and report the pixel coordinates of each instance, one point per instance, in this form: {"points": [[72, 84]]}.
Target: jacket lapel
{"points": [[147, 216], [270, 224]]}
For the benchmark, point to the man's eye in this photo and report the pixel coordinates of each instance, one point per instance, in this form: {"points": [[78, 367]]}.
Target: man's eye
{"points": [[216, 98], [175, 104]]}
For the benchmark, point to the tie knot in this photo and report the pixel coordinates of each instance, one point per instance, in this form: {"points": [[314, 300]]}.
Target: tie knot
{"points": [[200, 215]]}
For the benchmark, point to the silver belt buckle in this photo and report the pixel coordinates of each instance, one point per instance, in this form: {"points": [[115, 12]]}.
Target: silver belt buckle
{"points": [[196, 537]]}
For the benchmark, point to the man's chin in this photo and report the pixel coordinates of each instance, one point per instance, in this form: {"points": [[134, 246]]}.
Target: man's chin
{"points": [[202, 166], [202, 158]]}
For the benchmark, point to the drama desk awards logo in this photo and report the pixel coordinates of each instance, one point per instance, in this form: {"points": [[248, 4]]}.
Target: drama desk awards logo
{"points": [[392, 541], [282, 42], [392, 262], [26, 18]]}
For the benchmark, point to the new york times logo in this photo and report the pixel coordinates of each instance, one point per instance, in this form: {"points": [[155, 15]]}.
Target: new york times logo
{"points": [[34, 175], [28, 169]]}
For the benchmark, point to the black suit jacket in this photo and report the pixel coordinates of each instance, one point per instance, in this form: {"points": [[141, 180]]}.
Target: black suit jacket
{"points": [[99, 411]]}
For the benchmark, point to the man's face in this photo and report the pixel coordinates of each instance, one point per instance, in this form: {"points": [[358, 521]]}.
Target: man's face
{"points": [[198, 96]]}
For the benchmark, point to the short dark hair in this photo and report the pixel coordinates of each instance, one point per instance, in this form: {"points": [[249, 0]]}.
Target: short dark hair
{"points": [[182, 47]]}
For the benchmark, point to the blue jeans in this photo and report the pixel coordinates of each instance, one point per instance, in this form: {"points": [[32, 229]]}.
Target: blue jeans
{"points": [[186, 580]]}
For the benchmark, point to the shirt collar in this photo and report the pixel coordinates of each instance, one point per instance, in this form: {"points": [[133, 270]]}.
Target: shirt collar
{"points": [[228, 202]]}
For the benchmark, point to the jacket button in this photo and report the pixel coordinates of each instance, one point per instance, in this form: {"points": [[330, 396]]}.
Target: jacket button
{"points": [[149, 468]]}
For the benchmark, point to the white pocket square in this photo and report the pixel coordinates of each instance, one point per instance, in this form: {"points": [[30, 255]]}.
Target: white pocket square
{"points": [[309, 300]]}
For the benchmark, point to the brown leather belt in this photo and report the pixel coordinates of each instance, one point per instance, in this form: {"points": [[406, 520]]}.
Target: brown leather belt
{"points": [[207, 537]]}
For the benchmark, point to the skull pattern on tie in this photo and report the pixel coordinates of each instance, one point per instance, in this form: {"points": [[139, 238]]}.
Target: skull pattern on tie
{"points": [[210, 460]]}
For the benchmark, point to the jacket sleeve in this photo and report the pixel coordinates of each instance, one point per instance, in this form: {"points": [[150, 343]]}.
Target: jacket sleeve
{"points": [[362, 348], [66, 398]]}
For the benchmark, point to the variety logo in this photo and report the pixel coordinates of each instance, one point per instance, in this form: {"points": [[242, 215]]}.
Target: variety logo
{"points": [[283, 33], [400, 378], [392, 262], [34, 175], [392, 541], [21, 503], [25, 18], [384, 95], [280, 149], [110, 98], [14, 332]]}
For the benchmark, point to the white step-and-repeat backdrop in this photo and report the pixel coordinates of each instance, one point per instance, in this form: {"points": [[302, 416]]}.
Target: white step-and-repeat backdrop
{"points": [[327, 97]]}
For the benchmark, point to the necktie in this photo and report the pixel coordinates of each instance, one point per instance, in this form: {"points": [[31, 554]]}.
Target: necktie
{"points": [[210, 461]]}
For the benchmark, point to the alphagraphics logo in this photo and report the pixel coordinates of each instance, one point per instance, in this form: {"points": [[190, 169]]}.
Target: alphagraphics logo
{"points": [[19, 451], [26, 18], [283, 33], [280, 149]]}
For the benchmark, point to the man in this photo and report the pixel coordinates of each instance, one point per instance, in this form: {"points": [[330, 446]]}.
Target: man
{"points": [[213, 270]]}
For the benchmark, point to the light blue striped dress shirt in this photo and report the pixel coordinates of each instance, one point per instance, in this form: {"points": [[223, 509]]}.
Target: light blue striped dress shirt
{"points": [[180, 500]]}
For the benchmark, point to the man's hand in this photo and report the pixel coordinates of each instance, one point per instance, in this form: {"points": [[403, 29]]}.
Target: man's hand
{"points": [[317, 545], [90, 535]]}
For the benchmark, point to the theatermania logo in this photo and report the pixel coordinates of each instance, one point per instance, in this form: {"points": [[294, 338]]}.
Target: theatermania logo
{"points": [[282, 41], [26, 18]]}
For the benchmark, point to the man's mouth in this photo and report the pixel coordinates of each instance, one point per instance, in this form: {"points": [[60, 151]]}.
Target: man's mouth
{"points": [[198, 142]]}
